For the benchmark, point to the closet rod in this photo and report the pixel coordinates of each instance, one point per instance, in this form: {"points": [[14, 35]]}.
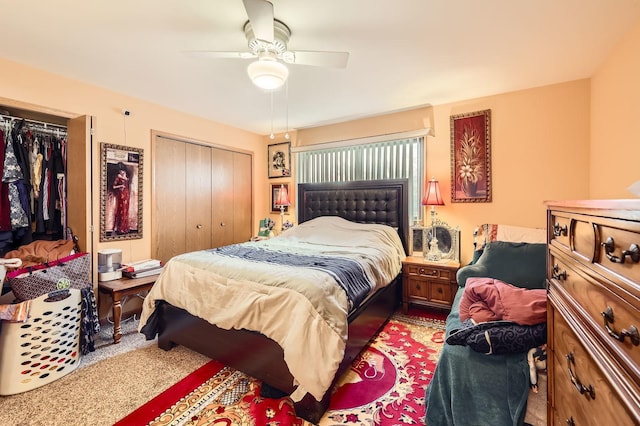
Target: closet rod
{"points": [[36, 122]]}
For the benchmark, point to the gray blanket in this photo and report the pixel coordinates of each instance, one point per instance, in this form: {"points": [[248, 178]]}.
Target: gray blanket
{"points": [[473, 389], [470, 388]]}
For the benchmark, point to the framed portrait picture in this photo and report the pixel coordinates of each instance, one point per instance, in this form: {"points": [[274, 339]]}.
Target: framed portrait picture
{"points": [[275, 190], [471, 157], [120, 192], [279, 159]]}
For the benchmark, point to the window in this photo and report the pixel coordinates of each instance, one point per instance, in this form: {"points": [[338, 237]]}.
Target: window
{"points": [[393, 159]]}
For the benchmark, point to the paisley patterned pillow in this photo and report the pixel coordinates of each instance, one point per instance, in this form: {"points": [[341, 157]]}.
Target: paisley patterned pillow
{"points": [[499, 337]]}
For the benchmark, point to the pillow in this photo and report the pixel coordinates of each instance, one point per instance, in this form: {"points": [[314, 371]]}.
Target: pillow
{"points": [[499, 337]]}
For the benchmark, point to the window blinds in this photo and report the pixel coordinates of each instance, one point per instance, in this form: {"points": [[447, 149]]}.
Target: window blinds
{"points": [[395, 159]]}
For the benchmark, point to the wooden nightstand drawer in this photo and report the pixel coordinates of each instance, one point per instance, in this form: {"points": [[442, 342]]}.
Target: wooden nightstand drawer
{"points": [[418, 289], [428, 271], [441, 293], [430, 284]]}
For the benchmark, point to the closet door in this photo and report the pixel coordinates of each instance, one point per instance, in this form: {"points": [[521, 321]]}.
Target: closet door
{"points": [[78, 180], [231, 197], [198, 197], [222, 194], [242, 178], [170, 195], [79, 209]]}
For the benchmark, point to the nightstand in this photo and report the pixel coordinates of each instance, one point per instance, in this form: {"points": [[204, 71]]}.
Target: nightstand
{"points": [[430, 284], [123, 287]]}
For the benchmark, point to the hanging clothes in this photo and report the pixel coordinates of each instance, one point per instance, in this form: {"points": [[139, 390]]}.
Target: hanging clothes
{"points": [[33, 182], [5, 210]]}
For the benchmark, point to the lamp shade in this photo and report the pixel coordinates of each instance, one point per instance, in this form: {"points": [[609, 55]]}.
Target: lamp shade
{"points": [[432, 195], [282, 199], [267, 73]]}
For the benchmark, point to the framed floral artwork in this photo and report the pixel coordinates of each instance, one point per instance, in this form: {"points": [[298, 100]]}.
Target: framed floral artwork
{"points": [[279, 159], [120, 192], [471, 157]]}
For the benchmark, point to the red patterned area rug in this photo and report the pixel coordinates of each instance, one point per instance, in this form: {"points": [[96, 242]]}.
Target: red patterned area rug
{"points": [[384, 386]]}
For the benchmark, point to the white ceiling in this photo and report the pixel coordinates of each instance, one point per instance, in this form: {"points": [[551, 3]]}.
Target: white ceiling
{"points": [[403, 53]]}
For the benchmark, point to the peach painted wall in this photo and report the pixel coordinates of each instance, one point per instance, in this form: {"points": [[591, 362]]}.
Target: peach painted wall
{"points": [[539, 150], [615, 138], [25, 84], [540, 140]]}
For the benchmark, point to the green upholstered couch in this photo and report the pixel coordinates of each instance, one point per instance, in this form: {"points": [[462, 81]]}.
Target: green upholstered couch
{"points": [[469, 388]]}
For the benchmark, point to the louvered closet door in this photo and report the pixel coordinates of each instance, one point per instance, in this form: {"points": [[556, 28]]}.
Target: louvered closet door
{"points": [[198, 197], [170, 198]]}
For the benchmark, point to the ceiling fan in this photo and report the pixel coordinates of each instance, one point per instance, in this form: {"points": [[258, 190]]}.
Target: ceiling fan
{"points": [[267, 39]]}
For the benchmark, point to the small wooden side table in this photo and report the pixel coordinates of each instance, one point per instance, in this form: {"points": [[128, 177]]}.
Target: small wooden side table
{"points": [[430, 284], [120, 288]]}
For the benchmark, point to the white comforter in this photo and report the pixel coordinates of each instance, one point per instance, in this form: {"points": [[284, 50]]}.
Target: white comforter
{"points": [[303, 309]]}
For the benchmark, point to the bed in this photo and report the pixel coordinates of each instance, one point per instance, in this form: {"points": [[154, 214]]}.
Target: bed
{"points": [[241, 341]]}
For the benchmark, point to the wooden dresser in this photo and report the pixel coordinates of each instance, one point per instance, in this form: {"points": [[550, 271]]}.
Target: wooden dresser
{"points": [[593, 272]]}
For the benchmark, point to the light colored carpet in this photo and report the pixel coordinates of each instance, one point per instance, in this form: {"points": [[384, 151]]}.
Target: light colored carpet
{"points": [[108, 384]]}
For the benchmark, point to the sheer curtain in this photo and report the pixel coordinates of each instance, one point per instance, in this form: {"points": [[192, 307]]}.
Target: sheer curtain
{"points": [[393, 159]]}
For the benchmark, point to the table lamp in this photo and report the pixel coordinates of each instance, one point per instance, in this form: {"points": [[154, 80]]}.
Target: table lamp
{"points": [[433, 198], [282, 201]]}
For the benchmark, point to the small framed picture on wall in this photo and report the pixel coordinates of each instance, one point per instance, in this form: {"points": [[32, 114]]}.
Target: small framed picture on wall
{"points": [[275, 193], [279, 159]]}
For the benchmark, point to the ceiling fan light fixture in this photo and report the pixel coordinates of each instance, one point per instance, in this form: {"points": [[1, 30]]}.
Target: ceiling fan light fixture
{"points": [[268, 74]]}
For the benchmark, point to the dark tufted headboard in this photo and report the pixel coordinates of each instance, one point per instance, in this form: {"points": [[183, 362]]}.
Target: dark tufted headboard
{"points": [[377, 201]]}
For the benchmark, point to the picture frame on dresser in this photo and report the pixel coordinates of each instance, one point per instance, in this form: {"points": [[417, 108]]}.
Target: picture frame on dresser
{"points": [[416, 243], [448, 239]]}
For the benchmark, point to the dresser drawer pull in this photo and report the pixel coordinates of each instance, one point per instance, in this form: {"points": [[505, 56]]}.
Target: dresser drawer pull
{"points": [[560, 276], [560, 230], [571, 422], [576, 382], [423, 271], [631, 333], [633, 252]]}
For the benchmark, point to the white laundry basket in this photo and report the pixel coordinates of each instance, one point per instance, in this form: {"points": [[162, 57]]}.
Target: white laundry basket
{"points": [[44, 348]]}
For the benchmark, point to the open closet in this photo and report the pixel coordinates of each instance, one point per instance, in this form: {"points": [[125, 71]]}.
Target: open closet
{"points": [[33, 195], [45, 189]]}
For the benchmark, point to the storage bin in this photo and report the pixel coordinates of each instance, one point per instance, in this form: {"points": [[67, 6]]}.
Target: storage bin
{"points": [[44, 348]]}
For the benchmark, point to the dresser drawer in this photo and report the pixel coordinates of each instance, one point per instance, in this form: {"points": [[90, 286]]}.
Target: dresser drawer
{"points": [[619, 250], [581, 391], [615, 320], [608, 246], [561, 223], [574, 234]]}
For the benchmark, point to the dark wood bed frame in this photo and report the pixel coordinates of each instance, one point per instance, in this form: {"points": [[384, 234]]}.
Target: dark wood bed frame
{"points": [[260, 357]]}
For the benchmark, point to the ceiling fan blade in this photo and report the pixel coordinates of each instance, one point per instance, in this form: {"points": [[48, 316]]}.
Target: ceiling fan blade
{"points": [[318, 59], [260, 13], [220, 54]]}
